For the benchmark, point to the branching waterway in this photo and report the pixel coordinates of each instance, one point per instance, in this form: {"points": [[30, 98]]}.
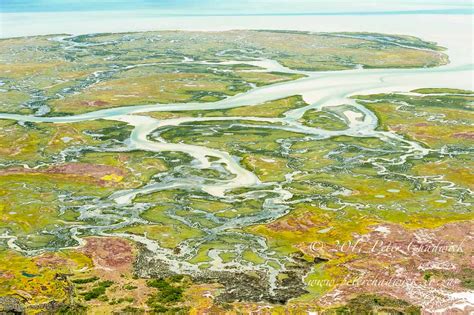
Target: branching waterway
{"points": [[318, 89]]}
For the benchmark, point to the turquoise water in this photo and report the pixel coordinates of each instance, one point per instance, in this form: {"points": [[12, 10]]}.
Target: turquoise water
{"points": [[245, 7]]}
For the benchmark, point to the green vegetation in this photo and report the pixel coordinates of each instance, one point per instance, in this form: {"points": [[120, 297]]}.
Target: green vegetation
{"points": [[435, 120], [129, 287], [465, 276], [60, 182], [76, 309], [84, 280], [121, 300], [392, 39], [323, 119], [47, 284], [131, 310], [168, 296], [40, 76], [167, 231], [441, 91], [45, 142], [97, 291], [367, 304], [26, 195], [270, 109]]}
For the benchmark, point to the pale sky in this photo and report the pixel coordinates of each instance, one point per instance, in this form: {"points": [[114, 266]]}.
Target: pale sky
{"points": [[237, 6]]}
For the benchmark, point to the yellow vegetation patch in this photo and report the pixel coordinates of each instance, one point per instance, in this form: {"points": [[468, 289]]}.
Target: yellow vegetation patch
{"points": [[18, 70], [35, 279], [268, 169], [453, 170], [113, 178]]}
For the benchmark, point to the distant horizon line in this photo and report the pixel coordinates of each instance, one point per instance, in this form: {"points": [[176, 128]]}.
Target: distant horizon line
{"points": [[335, 13]]}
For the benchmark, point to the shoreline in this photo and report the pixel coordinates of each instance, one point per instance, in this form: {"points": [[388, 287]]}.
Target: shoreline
{"points": [[447, 30]]}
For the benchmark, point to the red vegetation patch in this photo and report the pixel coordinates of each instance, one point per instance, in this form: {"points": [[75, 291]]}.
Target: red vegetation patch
{"points": [[96, 103], [422, 125], [50, 260], [301, 223], [6, 275], [464, 135], [94, 171], [110, 253], [397, 128]]}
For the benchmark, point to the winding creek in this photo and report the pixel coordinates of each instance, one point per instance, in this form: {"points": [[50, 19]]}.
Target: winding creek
{"points": [[318, 89]]}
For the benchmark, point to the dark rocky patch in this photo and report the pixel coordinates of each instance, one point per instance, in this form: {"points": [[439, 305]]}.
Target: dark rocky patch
{"points": [[237, 286], [11, 305], [374, 304], [320, 260]]}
